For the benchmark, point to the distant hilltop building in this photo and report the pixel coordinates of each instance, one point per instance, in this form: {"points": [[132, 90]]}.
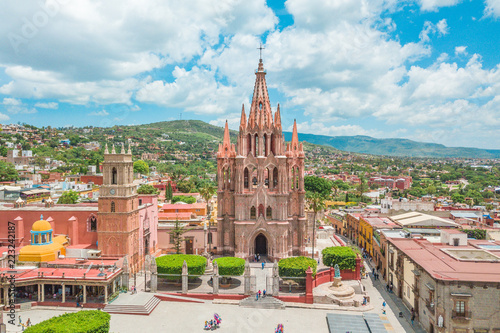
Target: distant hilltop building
{"points": [[393, 183], [19, 157], [261, 185]]}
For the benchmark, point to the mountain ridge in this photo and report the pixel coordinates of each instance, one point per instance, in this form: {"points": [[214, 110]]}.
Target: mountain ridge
{"points": [[355, 144], [394, 146]]}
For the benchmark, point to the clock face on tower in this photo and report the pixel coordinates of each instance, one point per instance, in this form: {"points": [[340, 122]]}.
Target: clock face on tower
{"points": [[112, 191]]}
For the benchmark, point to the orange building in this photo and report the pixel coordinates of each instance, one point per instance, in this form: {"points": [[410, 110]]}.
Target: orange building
{"points": [[200, 209]]}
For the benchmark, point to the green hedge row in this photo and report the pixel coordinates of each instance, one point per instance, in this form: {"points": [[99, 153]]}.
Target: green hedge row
{"points": [[172, 264], [77, 322], [230, 266], [296, 266], [342, 255]]}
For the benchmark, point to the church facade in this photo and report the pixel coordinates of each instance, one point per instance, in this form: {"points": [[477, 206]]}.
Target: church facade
{"points": [[261, 185]]}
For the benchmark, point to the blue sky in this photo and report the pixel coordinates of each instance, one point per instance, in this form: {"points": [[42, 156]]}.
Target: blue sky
{"points": [[426, 70]]}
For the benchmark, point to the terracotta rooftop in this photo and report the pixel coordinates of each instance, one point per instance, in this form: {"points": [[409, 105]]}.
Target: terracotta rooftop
{"points": [[57, 273], [380, 222], [443, 266]]}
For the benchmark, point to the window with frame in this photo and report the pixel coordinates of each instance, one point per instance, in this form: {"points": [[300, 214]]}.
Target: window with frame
{"points": [[253, 212], [460, 307], [113, 208], [269, 213]]}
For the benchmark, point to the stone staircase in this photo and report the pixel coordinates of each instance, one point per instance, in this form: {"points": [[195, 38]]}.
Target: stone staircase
{"points": [[267, 302], [133, 309]]}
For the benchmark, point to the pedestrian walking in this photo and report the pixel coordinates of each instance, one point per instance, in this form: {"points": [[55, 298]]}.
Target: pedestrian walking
{"points": [[257, 296], [260, 293], [264, 293], [412, 316], [263, 264]]}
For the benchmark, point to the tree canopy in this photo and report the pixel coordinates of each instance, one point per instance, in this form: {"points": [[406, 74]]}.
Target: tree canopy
{"points": [[187, 199], [318, 185], [147, 189], [141, 167], [69, 197], [8, 172]]}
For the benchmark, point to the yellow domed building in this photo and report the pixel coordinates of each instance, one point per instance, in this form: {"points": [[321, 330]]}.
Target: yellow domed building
{"points": [[44, 246]]}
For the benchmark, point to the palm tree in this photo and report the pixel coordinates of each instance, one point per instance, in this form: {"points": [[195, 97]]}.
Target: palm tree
{"points": [[207, 192], [335, 188], [316, 203], [361, 187]]}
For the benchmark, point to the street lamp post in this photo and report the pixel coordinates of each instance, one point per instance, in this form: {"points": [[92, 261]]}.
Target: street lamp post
{"points": [[135, 279], [205, 237], [209, 237]]}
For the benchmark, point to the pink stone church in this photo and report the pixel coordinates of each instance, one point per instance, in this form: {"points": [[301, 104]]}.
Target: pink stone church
{"points": [[261, 185]]}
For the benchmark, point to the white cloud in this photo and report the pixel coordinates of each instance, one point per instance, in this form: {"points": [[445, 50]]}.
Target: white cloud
{"points": [[135, 108], [11, 101], [339, 60], [233, 121], [492, 8], [343, 130], [102, 113], [16, 106], [434, 5], [116, 40], [4, 117], [440, 28], [50, 105], [30, 83], [196, 91], [460, 50]]}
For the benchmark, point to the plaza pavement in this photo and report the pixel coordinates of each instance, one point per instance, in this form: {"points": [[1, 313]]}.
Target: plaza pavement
{"points": [[190, 317]]}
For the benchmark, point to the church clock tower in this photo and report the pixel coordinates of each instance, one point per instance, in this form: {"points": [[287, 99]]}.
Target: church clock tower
{"points": [[118, 223]]}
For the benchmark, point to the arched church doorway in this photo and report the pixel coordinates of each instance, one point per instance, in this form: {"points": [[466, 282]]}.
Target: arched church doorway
{"points": [[261, 245]]}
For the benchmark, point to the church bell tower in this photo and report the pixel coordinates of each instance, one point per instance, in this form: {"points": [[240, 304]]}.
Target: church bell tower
{"points": [[118, 222]]}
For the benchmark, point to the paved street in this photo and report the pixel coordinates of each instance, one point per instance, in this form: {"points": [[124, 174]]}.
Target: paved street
{"points": [[394, 303]]}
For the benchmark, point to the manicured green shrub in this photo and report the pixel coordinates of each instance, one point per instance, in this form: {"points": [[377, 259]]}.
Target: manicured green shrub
{"points": [[77, 322], [342, 255], [230, 266], [172, 264], [296, 266]]}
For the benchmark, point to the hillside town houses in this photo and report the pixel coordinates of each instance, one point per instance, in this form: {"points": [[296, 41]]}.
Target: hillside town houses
{"points": [[433, 242]]}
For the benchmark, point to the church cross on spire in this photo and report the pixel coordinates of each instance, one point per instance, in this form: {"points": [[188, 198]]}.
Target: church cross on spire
{"points": [[260, 51]]}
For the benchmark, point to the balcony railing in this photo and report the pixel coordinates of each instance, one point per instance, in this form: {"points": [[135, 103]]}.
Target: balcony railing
{"points": [[467, 315]]}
